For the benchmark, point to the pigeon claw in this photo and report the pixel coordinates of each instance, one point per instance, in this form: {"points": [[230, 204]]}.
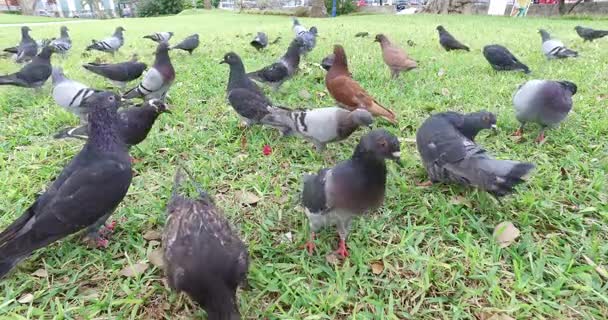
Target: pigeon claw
{"points": [[310, 247], [342, 251], [518, 133], [540, 138], [102, 243]]}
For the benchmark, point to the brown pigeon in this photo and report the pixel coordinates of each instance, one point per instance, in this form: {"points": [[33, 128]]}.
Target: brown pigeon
{"points": [[395, 58], [348, 93]]}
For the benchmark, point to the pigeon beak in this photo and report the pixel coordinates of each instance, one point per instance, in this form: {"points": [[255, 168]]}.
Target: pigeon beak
{"points": [[396, 156], [223, 61], [494, 127]]}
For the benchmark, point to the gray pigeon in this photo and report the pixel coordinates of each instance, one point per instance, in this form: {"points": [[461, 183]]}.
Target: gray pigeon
{"points": [[159, 36], [260, 41], [280, 71], [544, 102], [110, 44], [309, 37], [446, 143], [158, 79], [323, 125], [118, 73], [327, 62], [590, 34], [70, 94], [33, 74], [553, 48], [352, 188], [83, 196], [204, 257], [188, 44], [501, 59], [27, 48], [62, 44]]}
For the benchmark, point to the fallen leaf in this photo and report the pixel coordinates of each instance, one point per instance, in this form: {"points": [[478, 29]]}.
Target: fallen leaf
{"points": [[601, 97], [408, 140], [26, 298], [321, 94], [505, 233], [500, 316], [287, 237], [440, 73], [243, 142], [156, 258], [40, 273], [377, 267], [598, 268], [152, 235], [445, 91], [246, 197], [134, 270], [332, 258], [304, 94], [88, 293], [460, 200]]}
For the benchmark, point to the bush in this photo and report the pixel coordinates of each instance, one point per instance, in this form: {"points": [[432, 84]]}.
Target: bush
{"points": [[151, 8], [342, 6], [201, 3]]}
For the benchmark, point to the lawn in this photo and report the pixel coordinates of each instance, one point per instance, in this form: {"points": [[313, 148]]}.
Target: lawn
{"points": [[431, 249], [16, 18]]}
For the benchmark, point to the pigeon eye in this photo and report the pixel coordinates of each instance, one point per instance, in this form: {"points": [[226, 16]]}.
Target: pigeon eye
{"points": [[111, 98]]}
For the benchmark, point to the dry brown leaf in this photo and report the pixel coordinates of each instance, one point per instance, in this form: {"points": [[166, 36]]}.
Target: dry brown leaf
{"points": [[26, 298], [134, 270], [88, 293], [377, 267], [500, 316], [40, 273], [599, 269], [601, 97], [243, 142], [445, 91], [460, 200], [332, 258], [321, 94], [246, 197], [156, 258], [152, 235], [505, 233]]}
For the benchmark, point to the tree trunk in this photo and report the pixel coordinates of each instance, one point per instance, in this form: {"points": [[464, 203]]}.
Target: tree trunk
{"points": [[562, 7], [448, 6], [574, 6], [318, 9], [27, 6], [207, 4]]}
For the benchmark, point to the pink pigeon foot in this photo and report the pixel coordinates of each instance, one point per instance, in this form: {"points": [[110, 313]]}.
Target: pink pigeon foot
{"points": [[342, 251]]}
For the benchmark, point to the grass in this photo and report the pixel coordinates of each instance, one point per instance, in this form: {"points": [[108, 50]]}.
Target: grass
{"points": [[435, 244], [17, 18]]}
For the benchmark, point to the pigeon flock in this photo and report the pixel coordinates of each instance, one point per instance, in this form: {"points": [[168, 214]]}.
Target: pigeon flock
{"points": [[203, 254]]}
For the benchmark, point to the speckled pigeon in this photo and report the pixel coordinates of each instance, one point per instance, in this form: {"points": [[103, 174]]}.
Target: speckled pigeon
{"points": [[110, 44], [158, 79], [33, 74], [555, 49], [501, 59], [118, 73], [280, 71], [70, 94]]}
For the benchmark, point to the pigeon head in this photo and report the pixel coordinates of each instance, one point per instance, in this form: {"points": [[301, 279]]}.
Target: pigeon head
{"points": [[578, 28], [569, 86], [362, 117], [327, 61], [477, 121], [378, 145], [380, 38], [25, 29], [64, 29], [313, 30], [544, 34], [118, 32], [159, 105], [440, 28], [103, 100], [231, 58]]}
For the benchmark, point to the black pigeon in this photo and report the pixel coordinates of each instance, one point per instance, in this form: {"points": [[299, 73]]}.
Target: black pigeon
{"points": [[246, 97], [501, 59], [351, 188], [159, 36], [33, 74], [133, 126], [83, 196], [280, 71], [110, 44], [446, 143], [158, 79], [62, 44], [590, 34], [260, 41], [448, 42], [544, 102], [203, 256], [362, 34], [27, 48], [188, 44], [118, 73]]}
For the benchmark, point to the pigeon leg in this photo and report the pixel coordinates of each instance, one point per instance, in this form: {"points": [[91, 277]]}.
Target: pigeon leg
{"points": [[541, 135], [310, 245], [93, 233], [343, 226], [342, 251], [394, 74], [519, 131]]}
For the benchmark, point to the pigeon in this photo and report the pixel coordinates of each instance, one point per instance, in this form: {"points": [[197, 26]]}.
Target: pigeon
{"points": [[395, 58], [134, 123], [590, 34], [62, 44], [348, 93], [352, 188], [188, 44], [280, 71], [448, 42], [83, 196], [246, 97], [157, 80], [159, 36], [362, 34], [327, 62], [33, 74], [323, 125], [260, 41], [110, 44], [118, 73], [70, 94], [27, 48], [544, 102], [446, 143], [501, 59], [309, 37], [553, 48], [203, 255]]}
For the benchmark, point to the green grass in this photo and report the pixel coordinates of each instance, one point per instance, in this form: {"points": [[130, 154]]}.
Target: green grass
{"points": [[440, 261], [17, 18]]}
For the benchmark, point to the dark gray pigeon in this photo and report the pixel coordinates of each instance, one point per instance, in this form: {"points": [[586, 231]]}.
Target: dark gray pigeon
{"points": [[83, 196], [159, 36], [158, 79], [448, 42], [62, 44], [555, 49], [110, 44], [501, 59], [118, 73], [352, 188], [70, 94], [33, 74], [27, 48], [309, 37], [203, 255], [544, 102], [280, 71], [323, 125], [245, 96], [446, 143], [260, 41], [133, 126], [590, 34], [327, 62], [362, 34], [188, 44]]}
